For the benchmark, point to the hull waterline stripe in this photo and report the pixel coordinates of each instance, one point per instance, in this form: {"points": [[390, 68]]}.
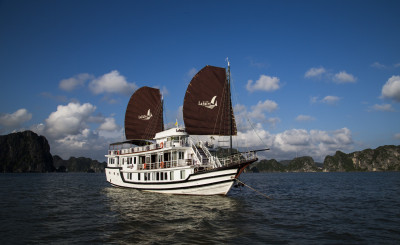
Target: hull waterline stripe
{"points": [[175, 188]]}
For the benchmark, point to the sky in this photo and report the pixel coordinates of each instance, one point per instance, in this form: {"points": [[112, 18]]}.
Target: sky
{"points": [[309, 77]]}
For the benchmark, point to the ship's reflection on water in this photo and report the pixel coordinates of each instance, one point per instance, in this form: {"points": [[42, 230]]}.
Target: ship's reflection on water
{"points": [[159, 218]]}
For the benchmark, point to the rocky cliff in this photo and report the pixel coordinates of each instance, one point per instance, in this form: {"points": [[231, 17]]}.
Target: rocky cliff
{"points": [[25, 152], [78, 164], [383, 158], [302, 164], [299, 164]]}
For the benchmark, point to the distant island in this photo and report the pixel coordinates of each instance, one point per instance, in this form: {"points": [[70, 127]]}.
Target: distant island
{"points": [[28, 152], [383, 158]]}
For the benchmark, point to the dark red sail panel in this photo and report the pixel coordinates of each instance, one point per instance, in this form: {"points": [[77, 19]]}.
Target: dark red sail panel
{"points": [[144, 114], [207, 107]]}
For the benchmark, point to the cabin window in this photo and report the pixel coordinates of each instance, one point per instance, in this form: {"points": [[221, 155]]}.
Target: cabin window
{"points": [[162, 176], [171, 175], [165, 176], [182, 174], [138, 176], [174, 157], [158, 176], [134, 160], [167, 157], [181, 155]]}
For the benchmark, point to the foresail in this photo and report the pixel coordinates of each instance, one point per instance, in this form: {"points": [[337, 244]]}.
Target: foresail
{"points": [[207, 107], [144, 114]]}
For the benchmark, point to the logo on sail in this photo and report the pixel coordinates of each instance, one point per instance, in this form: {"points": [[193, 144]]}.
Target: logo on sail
{"points": [[146, 117], [209, 104]]}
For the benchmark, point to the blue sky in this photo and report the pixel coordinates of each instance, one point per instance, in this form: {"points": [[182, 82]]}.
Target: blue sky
{"points": [[312, 77]]}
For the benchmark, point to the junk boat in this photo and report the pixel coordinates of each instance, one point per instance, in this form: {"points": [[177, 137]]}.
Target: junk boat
{"points": [[172, 161]]}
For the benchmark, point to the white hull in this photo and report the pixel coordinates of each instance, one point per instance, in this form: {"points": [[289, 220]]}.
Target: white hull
{"points": [[216, 182]]}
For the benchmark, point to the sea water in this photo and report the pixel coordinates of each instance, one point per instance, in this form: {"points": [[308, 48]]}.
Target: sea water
{"points": [[305, 208]]}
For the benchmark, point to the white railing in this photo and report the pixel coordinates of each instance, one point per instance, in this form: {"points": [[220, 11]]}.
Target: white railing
{"points": [[214, 160], [239, 158], [197, 154]]}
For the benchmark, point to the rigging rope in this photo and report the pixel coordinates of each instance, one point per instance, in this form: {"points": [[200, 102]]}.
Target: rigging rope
{"points": [[246, 114], [262, 194]]}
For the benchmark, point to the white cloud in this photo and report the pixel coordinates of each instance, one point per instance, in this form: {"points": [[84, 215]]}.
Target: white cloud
{"points": [[396, 65], [315, 72], [304, 118], [76, 141], [264, 83], [291, 140], [397, 136], [69, 120], [331, 100], [75, 82], [378, 65], [15, 119], [301, 142], [391, 89], [112, 82], [258, 111], [250, 138], [108, 124], [344, 77], [256, 115], [383, 107], [273, 121], [340, 77], [261, 107], [69, 132]]}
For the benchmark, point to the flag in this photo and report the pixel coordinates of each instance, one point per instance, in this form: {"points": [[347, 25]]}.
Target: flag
{"points": [[176, 123]]}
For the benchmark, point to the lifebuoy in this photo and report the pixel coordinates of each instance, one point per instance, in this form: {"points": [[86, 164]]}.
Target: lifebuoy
{"points": [[162, 165], [144, 165], [161, 145]]}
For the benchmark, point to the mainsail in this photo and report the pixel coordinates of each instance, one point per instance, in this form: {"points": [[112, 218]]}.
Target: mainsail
{"points": [[144, 114], [207, 107]]}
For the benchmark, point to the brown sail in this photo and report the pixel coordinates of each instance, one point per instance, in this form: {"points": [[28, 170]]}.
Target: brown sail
{"points": [[207, 107], [144, 114]]}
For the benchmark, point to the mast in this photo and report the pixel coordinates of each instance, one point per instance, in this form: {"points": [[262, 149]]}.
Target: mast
{"points": [[228, 78]]}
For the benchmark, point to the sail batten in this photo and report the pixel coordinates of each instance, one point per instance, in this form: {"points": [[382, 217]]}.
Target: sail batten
{"points": [[144, 114], [207, 107]]}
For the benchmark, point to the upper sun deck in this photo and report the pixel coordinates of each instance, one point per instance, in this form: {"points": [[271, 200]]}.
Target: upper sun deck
{"points": [[172, 132], [174, 137]]}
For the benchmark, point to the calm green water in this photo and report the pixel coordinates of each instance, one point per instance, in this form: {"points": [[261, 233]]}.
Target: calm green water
{"points": [[307, 208]]}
